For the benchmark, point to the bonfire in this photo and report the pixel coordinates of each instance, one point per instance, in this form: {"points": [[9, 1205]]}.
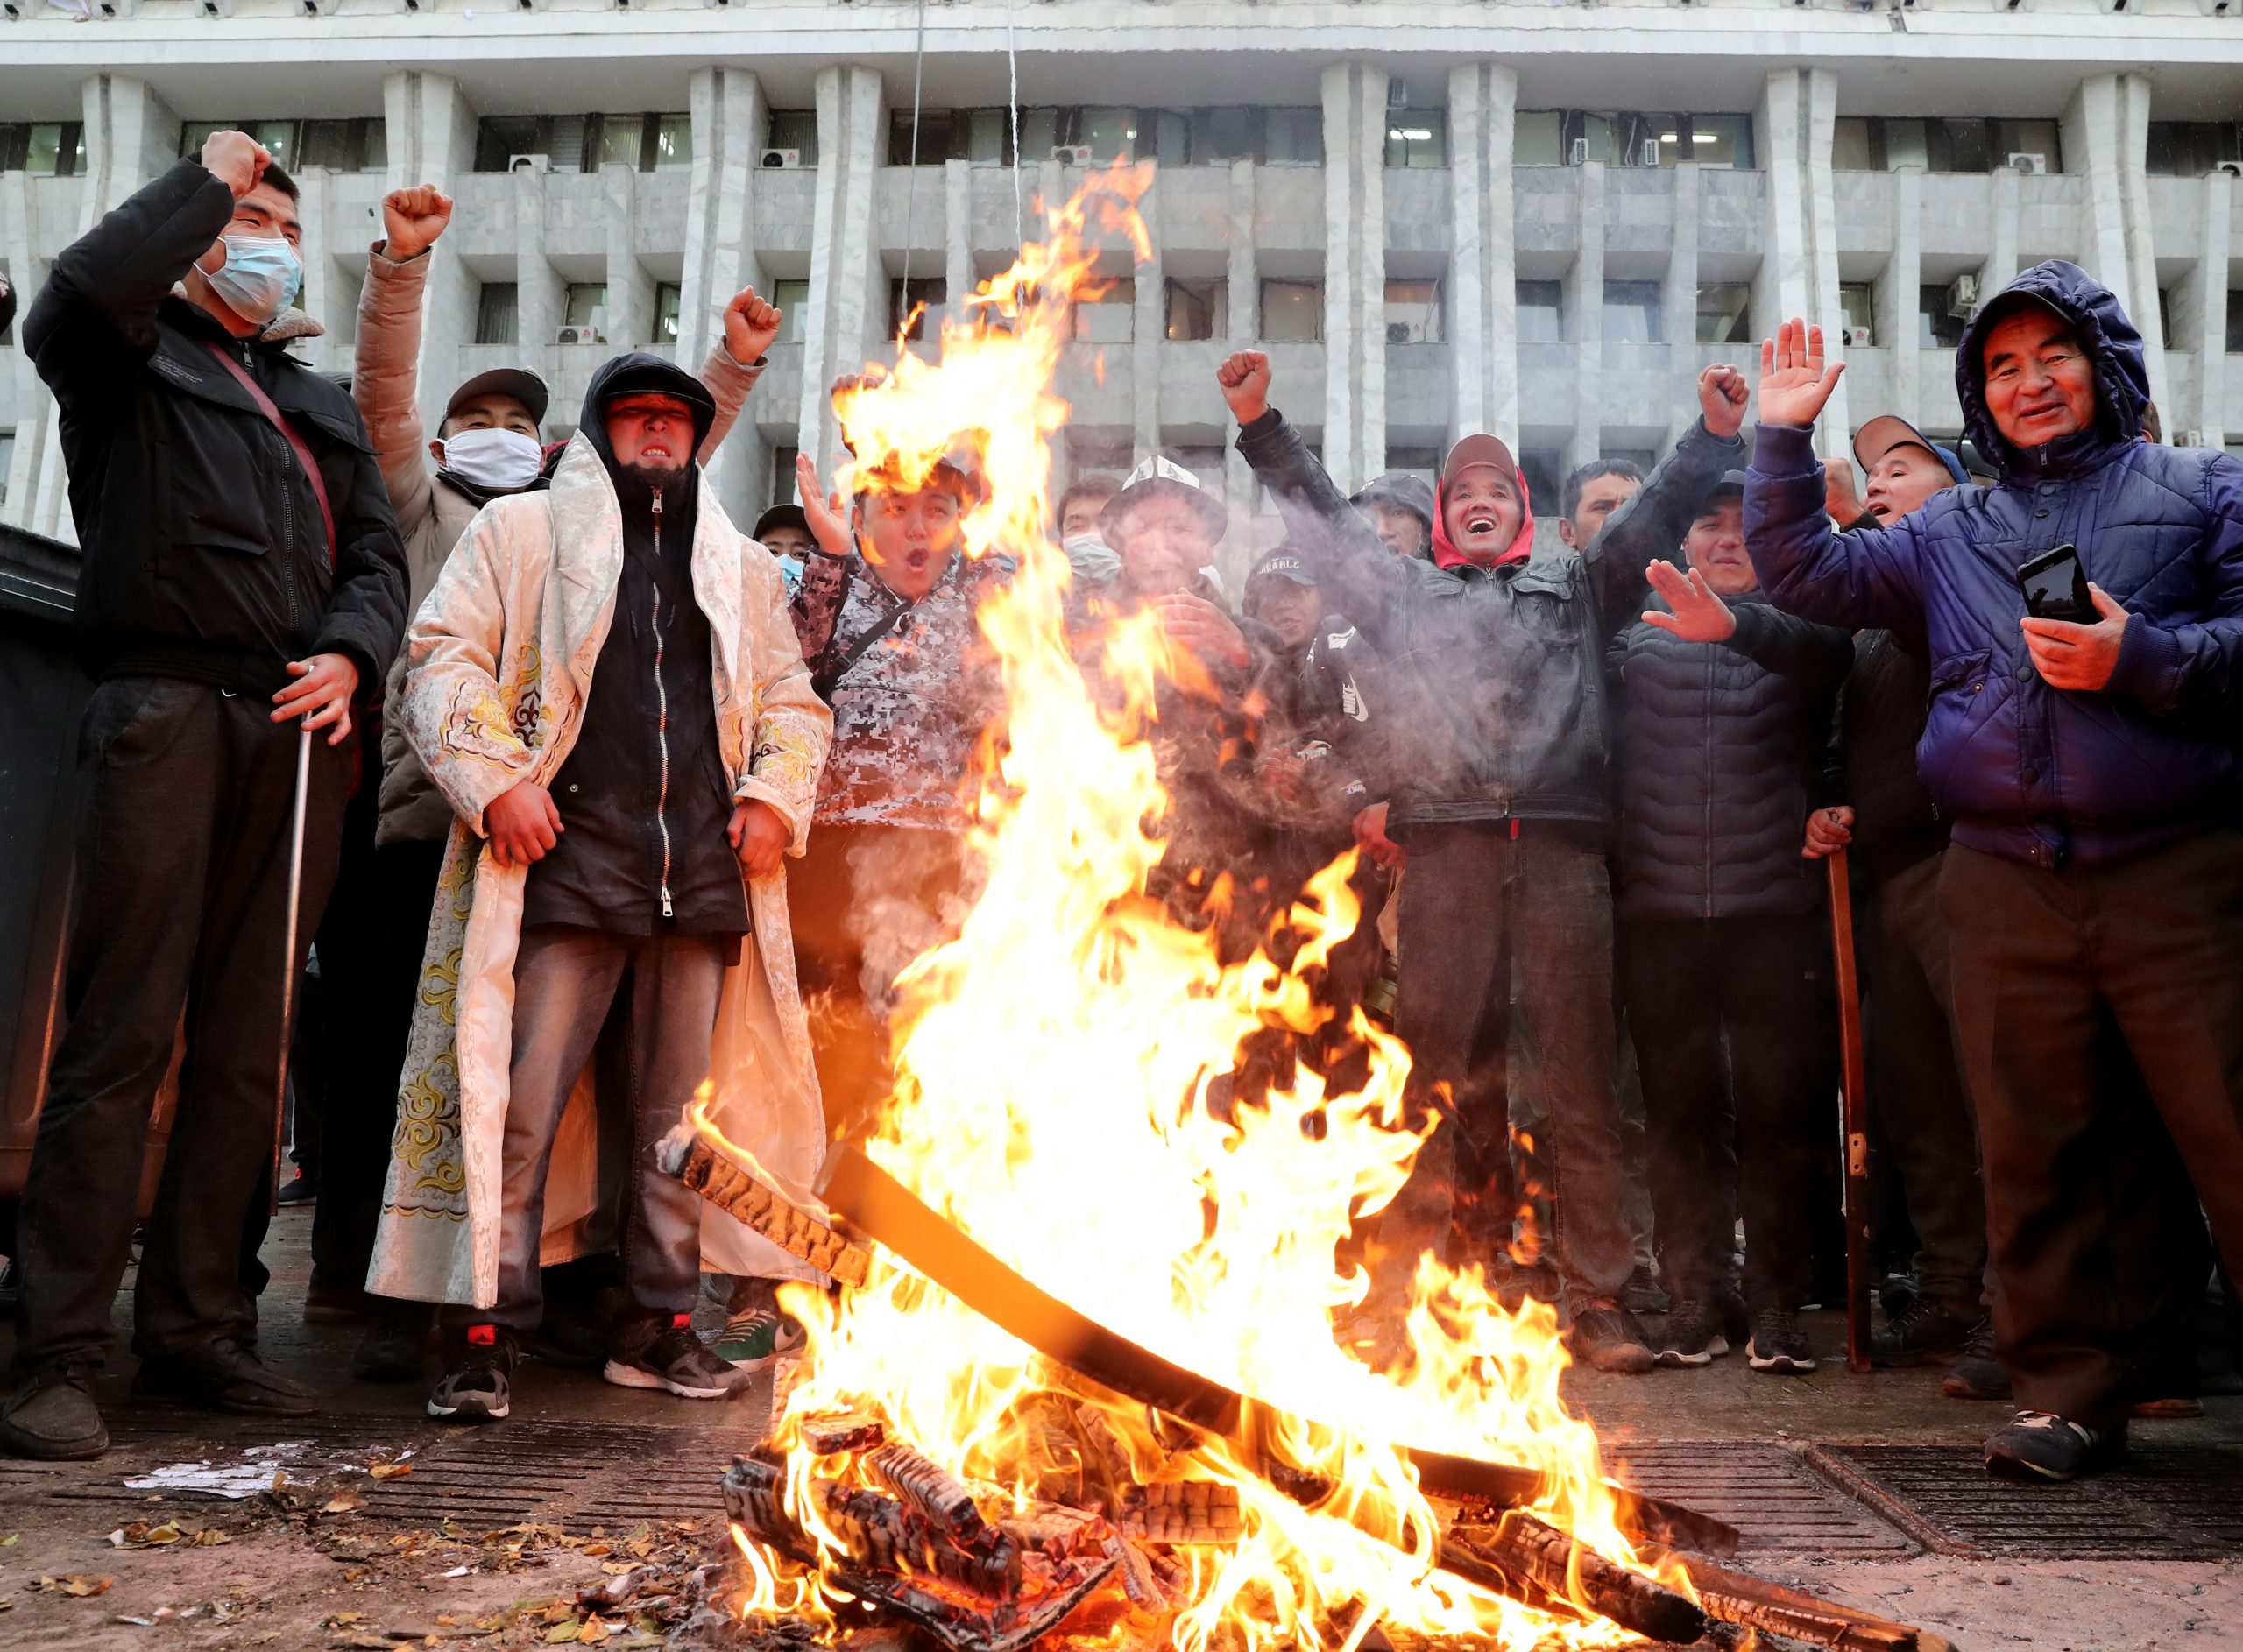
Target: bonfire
{"points": [[1081, 1385]]}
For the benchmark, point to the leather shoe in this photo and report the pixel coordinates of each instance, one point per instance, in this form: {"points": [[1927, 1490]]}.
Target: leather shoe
{"points": [[224, 1376], [53, 1416]]}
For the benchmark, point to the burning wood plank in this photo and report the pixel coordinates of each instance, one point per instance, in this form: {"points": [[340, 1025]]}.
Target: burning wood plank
{"points": [[1183, 1512], [748, 1200], [1532, 1560], [924, 1484], [841, 1432], [1754, 1603]]}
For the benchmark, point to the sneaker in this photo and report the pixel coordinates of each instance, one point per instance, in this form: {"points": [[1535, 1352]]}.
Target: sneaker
{"points": [[396, 1342], [675, 1361], [51, 1416], [1692, 1336], [227, 1376], [1977, 1373], [2039, 1445], [1644, 1294], [1921, 1332], [1606, 1336], [475, 1385], [298, 1189], [753, 1340], [1780, 1343]]}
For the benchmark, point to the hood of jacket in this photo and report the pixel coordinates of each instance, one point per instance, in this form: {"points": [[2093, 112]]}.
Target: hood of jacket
{"points": [[634, 373], [1522, 544], [2121, 375]]}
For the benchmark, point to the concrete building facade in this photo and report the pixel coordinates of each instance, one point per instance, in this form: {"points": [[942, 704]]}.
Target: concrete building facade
{"points": [[1537, 219]]}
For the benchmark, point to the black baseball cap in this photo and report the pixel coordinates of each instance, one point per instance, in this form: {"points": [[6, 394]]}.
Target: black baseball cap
{"points": [[1282, 564], [518, 383], [1413, 494], [781, 516]]}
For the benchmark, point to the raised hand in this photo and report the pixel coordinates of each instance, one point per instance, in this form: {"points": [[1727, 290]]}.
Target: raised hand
{"points": [[236, 159], [750, 325], [412, 219], [1794, 383], [1699, 615], [1840, 503], [1722, 395], [828, 514], [1245, 381]]}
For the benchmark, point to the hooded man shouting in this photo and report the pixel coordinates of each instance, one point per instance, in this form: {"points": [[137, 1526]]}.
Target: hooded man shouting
{"points": [[626, 840]]}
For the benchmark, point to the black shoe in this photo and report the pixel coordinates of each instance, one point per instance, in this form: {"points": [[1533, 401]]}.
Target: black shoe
{"points": [[564, 1337], [1735, 1319], [396, 1342], [675, 1361], [328, 1304], [1922, 1332], [2039, 1445], [1643, 1294], [1692, 1336], [1606, 1336], [225, 1376], [1977, 1373], [475, 1388], [11, 1288], [53, 1416], [298, 1189], [1779, 1344]]}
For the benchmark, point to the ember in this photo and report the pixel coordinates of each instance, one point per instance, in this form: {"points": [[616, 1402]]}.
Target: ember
{"points": [[1084, 1387]]}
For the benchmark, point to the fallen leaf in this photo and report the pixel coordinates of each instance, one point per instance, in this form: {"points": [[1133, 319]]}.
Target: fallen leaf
{"points": [[593, 1633], [342, 1503], [336, 1621], [78, 1587], [562, 1633], [593, 1551], [388, 1471], [8, 1542]]}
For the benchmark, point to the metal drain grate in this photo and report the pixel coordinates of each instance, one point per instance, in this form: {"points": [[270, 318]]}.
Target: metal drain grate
{"points": [[2158, 1505], [1777, 1503]]}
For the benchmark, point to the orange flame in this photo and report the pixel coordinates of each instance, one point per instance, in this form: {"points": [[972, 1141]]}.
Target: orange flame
{"points": [[1053, 1071]]}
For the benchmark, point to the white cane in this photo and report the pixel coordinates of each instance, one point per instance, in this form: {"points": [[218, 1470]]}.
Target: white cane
{"points": [[288, 957]]}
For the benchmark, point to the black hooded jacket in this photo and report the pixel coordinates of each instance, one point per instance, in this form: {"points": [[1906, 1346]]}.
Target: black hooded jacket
{"points": [[642, 795], [205, 554]]}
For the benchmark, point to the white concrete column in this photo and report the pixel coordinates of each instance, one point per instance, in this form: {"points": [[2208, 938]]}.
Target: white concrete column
{"points": [[1355, 271], [1242, 278], [1584, 327], [1819, 215], [1483, 273], [958, 234], [1682, 306], [1896, 295], [2002, 263], [848, 284], [2201, 324], [726, 107], [27, 396], [1794, 124], [630, 289], [430, 127], [2106, 136], [1148, 329], [322, 292]]}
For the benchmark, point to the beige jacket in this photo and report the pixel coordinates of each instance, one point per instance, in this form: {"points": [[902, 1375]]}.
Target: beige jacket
{"points": [[431, 513], [499, 664]]}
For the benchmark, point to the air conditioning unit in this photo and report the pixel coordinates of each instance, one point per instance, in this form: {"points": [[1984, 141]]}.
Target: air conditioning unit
{"points": [[1397, 92], [2013, 5], [2232, 168], [1861, 338], [1580, 152], [1071, 154], [1405, 332], [1649, 155], [2190, 439], [579, 335], [2218, 8], [2029, 160], [529, 163], [1963, 297], [782, 160]]}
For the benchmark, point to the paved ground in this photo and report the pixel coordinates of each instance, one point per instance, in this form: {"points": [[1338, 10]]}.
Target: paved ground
{"points": [[1864, 1487]]}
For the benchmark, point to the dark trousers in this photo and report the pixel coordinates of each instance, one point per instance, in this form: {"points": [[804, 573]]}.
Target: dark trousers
{"points": [[2047, 963], [566, 979], [370, 948], [179, 913], [1473, 898], [1916, 1086], [1725, 1012]]}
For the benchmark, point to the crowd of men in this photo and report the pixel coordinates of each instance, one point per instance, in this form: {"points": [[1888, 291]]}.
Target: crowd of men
{"points": [[617, 822]]}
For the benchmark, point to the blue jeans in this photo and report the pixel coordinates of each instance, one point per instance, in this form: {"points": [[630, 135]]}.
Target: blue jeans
{"points": [[566, 981]]}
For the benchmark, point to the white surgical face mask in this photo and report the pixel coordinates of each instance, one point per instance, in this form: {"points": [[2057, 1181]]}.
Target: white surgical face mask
{"points": [[1092, 558], [496, 461], [260, 274]]}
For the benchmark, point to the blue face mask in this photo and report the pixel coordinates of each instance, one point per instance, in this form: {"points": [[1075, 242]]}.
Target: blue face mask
{"points": [[260, 274]]}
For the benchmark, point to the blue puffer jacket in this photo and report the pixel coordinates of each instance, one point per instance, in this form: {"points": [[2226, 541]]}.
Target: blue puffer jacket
{"points": [[2027, 771], [1720, 756]]}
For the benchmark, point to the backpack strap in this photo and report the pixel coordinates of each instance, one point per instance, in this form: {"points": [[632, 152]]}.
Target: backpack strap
{"points": [[296, 443]]}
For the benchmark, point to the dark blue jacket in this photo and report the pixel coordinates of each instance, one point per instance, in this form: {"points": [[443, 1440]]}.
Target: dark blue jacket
{"points": [[2024, 770], [1720, 756]]}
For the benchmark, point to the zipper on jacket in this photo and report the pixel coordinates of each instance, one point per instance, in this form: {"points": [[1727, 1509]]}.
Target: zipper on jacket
{"points": [[661, 714]]}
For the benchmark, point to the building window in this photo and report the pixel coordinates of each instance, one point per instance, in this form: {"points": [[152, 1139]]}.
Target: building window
{"points": [[1196, 310], [497, 314], [1857, 303], [1292, 312], [908, 302], [795, 129], [7, 461], [1541, 313], [2235, 320], [44, 149], [1206, 463], [1535, 138], [1724, 313], [1098, 134], [340, 146], [1631, 313], [669, 299], [1937, 327], [792, 299], [1417, 137], [1414, 313], [2189, 149], [2165, 317], [648, 142], [1292, 137], [583, 307], [1879, 143], [782, 474], [1108, 316], [1542, 467], [670, 142], [1575, 136]]}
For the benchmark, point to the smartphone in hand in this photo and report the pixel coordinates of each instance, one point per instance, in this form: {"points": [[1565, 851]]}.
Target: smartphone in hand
{"points": [[2055, 587]]}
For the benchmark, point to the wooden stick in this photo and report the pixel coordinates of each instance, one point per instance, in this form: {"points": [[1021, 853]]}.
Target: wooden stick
{"points": [[1853, 1094], [747, 1200], [1551, 1563]]}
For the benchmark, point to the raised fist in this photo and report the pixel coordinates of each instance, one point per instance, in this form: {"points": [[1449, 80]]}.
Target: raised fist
{"points": [[1245, 380], [412, 219], [751, 324], [236, 159]]}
